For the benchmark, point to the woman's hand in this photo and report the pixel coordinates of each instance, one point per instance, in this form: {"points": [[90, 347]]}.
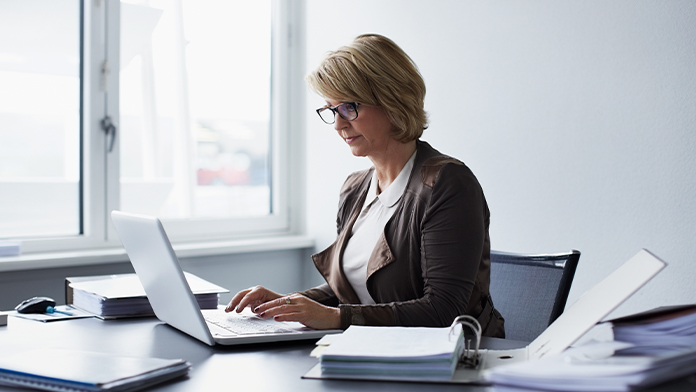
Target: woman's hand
{"points": [[299, 308], [252, 298]]}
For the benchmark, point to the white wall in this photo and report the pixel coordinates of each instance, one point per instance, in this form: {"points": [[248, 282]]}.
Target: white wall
{"points": [[578, 117]]}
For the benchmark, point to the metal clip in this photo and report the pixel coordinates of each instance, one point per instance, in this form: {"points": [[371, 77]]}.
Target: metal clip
{"points": [[468, 357]]}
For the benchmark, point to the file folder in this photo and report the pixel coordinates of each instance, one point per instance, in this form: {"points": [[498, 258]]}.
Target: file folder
{"points": [[68, 370]]}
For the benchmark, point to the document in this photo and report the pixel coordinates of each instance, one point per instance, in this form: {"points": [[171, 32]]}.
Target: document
{"points": [[647, 349], [661, 330], [573, 371], [117, 296], [68, 370], [65, 312]]}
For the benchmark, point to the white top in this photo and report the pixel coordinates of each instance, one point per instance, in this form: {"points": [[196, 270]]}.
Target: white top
{"points": [[369, 227]]}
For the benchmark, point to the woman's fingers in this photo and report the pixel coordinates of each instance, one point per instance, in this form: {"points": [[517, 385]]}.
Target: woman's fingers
{"points": [[277, 304], [236, 300], [250, 297], [300, 309], [293, 307]]}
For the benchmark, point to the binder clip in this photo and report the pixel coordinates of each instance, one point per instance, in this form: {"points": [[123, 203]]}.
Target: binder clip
{"points": [[469, 357]]}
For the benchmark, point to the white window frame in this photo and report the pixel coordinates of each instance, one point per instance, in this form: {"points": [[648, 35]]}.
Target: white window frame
{"points": [[100, 168]]}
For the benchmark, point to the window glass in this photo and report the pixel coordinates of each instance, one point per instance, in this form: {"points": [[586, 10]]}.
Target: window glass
{"points": [[39, 118], [195, 85]]}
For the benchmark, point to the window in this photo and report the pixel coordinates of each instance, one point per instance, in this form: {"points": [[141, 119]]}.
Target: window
{"points": [[40, 118], [192, 89]]}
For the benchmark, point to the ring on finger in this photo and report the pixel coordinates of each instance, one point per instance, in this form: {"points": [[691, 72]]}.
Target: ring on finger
{"points": [[287, 300]]}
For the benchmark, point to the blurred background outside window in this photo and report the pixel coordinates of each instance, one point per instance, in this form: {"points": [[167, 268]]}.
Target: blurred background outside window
{"points": [[195, 98], [39, 118]]}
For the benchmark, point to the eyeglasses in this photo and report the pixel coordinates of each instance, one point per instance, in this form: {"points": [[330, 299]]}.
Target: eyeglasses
{"points": [[347, 110]]}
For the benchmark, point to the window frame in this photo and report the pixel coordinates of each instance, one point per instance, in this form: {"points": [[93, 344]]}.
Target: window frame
{"points": [[100, 172]]}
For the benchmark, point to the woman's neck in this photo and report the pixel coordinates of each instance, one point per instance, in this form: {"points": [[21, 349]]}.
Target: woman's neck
{"points": [[389, 165]]}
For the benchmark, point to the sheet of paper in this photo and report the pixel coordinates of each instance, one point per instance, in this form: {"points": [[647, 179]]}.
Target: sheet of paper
{"points": [[129, 286], [49, 317]]}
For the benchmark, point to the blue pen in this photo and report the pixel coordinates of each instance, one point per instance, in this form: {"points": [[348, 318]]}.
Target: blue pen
{"points": [[51, 310]]}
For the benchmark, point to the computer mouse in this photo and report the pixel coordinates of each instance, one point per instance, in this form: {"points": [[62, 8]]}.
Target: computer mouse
{"points": [[35, 305]]}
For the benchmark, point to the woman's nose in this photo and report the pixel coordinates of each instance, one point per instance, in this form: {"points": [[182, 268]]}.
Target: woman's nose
{"points": [[340, 123]]}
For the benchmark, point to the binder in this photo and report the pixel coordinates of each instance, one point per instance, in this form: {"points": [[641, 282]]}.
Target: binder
{"points": [[417, 354], [81, 371]]}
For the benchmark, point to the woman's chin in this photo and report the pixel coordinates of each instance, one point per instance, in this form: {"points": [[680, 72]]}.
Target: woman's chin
{"points": [[356, 151]]}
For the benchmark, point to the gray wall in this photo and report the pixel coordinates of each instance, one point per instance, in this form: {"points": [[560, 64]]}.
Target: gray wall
{"points": [[578, 117]]}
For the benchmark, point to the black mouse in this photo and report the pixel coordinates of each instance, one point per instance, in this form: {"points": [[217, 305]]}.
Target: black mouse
{"points": [[35, 305]]}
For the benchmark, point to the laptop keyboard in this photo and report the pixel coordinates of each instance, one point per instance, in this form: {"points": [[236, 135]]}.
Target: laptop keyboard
{"points": [[245, 325]]}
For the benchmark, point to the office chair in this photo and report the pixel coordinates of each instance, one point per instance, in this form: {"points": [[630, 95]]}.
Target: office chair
{"points": [[530, 291]]}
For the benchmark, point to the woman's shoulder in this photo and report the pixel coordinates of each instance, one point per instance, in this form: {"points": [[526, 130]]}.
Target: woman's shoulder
{"points": [[434, 164], [356, 180]]}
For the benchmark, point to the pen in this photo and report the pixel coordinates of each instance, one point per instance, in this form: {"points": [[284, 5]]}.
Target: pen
{"points": [[51, 310]]}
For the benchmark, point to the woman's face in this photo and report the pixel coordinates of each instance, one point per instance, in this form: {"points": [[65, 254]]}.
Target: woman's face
{"points": [[369, 135]]}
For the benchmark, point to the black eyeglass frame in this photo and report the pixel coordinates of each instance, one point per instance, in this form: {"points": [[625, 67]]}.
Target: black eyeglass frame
{"points": [[335, 111]]}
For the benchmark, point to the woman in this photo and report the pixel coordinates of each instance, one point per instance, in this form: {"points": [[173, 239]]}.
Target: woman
{"points": [[413, 246]]}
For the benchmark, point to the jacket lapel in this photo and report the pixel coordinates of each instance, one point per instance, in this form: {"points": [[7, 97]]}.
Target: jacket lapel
{"points": [[329, 264], [381, 256]]}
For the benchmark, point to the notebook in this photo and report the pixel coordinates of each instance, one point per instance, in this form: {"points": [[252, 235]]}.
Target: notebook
{"points": [[571, 325], [71, 370], [160, 273]]}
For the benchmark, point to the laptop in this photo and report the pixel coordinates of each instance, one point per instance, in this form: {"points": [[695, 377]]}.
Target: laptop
{"points": [[576, 320], [160, 273]]}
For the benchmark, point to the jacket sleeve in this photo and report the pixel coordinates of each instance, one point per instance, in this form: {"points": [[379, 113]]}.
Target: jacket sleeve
{"points": [[451, 238], [453, 233], [322, 294]]}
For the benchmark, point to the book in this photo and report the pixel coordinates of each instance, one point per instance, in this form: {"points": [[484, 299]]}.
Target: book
{"points": [[68, 370], [119, 296], [576, 371], [664, 329], [406, 352], [647, 349]]}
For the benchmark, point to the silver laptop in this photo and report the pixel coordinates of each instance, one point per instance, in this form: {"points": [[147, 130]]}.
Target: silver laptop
{"points": [[576, 320], [158, 268]]}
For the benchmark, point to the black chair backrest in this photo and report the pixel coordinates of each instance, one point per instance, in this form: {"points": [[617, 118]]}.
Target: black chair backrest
{"points": [[530, 291]]}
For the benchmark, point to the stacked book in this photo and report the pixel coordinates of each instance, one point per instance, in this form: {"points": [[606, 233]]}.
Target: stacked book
{"points": [[405, 353], [663, 330], [648, 349], [117, 296]]}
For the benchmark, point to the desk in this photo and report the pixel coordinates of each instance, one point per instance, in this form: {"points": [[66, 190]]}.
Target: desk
{"points": [[261, 367]]}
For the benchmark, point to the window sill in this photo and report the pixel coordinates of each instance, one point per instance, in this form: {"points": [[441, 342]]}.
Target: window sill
{"points": [[115, 255]]}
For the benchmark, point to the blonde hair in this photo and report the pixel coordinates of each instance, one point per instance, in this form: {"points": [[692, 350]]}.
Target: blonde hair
{"points": [[373, 70]]}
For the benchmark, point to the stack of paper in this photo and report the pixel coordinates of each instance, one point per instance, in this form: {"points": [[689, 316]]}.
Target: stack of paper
{"points": [[661, 330], [407, 353], [574, 370], [117, 296], [648, 349]]}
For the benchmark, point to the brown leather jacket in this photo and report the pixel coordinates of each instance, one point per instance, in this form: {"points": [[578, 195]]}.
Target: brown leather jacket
{"points": [[431, 263]]}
